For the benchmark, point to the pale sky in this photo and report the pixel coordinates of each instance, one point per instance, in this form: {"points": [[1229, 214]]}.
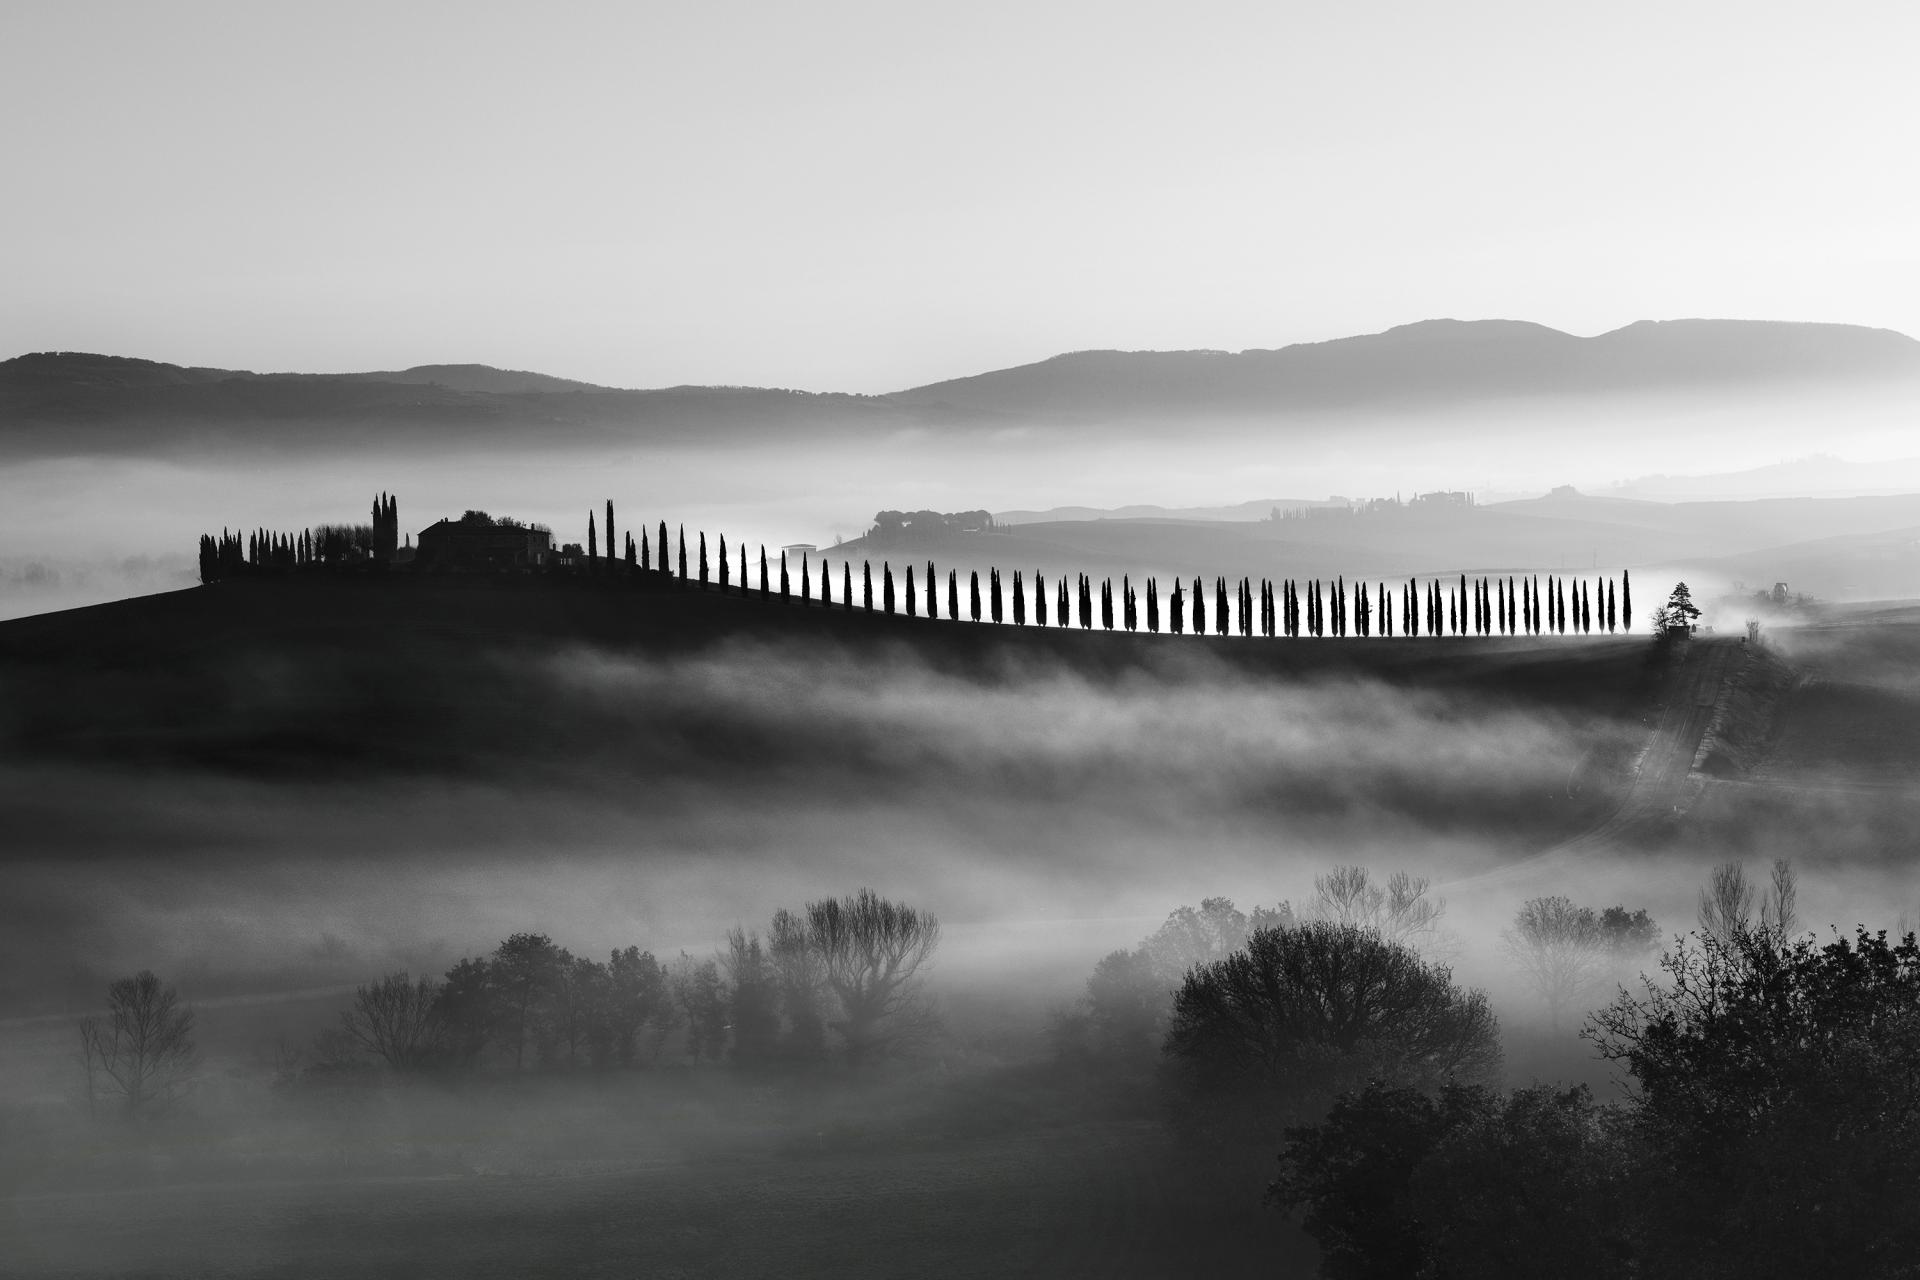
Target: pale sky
{"points": [[848, 196]]}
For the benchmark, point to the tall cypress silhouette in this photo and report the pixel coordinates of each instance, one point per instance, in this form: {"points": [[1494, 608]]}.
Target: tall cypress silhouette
{"points": [[933, 592], [1153, 606], [664, 561], [1563, 605], [1612, 617], [1626, 601], [744, 588], [1063, 611], [993, 594], [1199, 607], [612, 542], [912, 611], [953, 594], [703, 555], [886, 586], [826, 584], [973, 593], [806, 583], [593, 545], [1039, 600], [633, 552], [786, 584], [866, 585], [1176, 607], [846, 585], [766, 582], [1106, 604], [724, 567], [1220, 619], [683, 553], [1019, 601]]}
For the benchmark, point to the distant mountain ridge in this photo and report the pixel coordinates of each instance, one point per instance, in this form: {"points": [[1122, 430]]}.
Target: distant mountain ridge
{"points": [[1436, 361], [83, 402]]}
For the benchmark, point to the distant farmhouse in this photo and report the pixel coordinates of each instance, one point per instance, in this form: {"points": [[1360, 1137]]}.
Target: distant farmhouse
{"points": [[483, 543]]}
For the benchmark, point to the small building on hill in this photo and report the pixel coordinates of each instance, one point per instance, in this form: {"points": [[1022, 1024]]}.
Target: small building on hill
{"points": [[483, 543]]}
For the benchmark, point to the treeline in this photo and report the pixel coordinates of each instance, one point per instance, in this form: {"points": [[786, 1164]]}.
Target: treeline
{"points": [[839, 982], [231, 554], [1509, 605]]}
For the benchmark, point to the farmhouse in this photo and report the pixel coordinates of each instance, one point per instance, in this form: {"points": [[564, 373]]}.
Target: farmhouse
{"points": [[480, 542]]}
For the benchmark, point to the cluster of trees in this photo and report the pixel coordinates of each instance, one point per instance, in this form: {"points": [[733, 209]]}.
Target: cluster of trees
{"points": [[842, 978], [892, 527], [232, 554], [1773, 1129]]}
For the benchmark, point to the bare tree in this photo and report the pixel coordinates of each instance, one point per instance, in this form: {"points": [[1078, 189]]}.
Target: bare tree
{"points": [[1560, 948], [1727, 902], [143, 1052], [1399, 911], [871, 951], [397, 1020]]}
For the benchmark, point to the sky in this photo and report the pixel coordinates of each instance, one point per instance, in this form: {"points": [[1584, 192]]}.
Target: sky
{"points": [[864, 197]]}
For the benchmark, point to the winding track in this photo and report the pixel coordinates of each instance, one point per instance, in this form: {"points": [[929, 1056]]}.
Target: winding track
{"points": [[1661, 788]]}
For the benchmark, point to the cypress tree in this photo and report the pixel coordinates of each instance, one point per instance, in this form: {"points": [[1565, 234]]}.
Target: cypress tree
{"points": [[866, 585], [1612, 617], [826, 584], [933, 592], [633, 552], [846, 585], [1019, 601], [683, 553], [973, 596], [703, 555], [786, 583], [1153, 606], [1039, 600], [766, 583], [611, 541], [1562, 592], [953, 594], [743, 568], [886, 586], [806, 583], [723, 564], [993, 594], [1626, 601], [911, 602], [593, 544], [664, 562], [1199, 608], [1063, 611], [1126, 602], [1106, 604], [1176, 607]]}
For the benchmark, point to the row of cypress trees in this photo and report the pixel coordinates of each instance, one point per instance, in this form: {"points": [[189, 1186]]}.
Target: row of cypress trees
{"points": [[1485, 606]]}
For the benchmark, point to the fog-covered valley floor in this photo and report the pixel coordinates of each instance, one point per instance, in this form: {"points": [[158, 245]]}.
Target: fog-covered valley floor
{"points": [[269, 793]]}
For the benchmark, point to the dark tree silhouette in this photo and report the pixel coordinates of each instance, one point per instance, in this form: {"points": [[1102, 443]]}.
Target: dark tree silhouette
{"points": [[973, 594], [1062, 610], [1039, 600], [398, 1021], [786, 583], [593, 544], [664, 561], [142, 1053], [806, 584], [933, 593], [612, 539], [870, 951], [1153, 606], [724, 566], [993, 594], [886, 586], [1176, 607], [683, 553], [846, 585], [1019, 601], [912, 603], [953, 595], [1199, 608]]}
